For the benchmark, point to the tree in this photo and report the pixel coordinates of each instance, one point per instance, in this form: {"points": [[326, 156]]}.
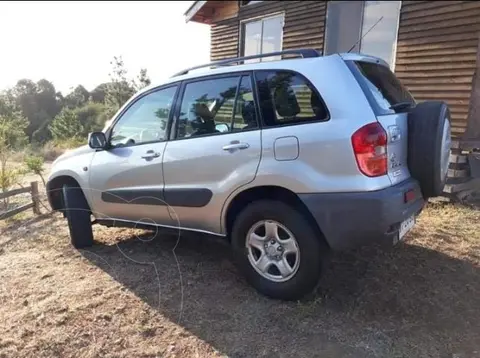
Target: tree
{"points": [[119, 90], [65, 125], [92, 117], [98, 94], [12, 124], [39, 103], [7, 103], [77, 123], [143, 80], [12, 137], [47, 114], [77, 98]]}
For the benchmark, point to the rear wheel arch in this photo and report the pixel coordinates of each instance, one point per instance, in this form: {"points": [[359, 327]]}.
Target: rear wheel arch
{"points": [[272, 192]]}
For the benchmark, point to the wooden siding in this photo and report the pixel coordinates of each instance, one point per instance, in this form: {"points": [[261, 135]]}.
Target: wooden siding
{"points": [[304, 26], [437, 53], [472, 132], [224, 38], [224, 10]]}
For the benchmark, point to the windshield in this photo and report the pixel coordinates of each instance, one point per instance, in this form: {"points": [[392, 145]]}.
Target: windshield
{"points": [[381, 86]]}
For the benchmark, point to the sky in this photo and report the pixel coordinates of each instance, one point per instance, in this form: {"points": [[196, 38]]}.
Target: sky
{"points": [[71, 43]]}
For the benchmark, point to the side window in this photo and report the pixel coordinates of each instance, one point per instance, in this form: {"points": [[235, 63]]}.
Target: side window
{"points": [[287, 98], [145, 121], [208, 107], [245, 116]]}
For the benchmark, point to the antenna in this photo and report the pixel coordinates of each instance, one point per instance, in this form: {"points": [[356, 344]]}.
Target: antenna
{"points": [[365, 34]]}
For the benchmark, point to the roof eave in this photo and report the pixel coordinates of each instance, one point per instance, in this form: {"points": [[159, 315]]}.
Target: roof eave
{"points": [[192, 11]]}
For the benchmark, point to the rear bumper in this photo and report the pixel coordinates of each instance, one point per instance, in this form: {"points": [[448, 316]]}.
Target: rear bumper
{"points": [[350, 220]]}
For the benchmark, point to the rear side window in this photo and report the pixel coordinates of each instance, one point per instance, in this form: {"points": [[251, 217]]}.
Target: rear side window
{"points": [[381, 86], [287, 97]]}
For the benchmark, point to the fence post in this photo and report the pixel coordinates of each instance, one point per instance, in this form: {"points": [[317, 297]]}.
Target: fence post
{"points": [[35, 198]]}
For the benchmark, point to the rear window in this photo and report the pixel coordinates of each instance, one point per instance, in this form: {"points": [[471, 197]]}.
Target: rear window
{"points": [[381, 86]]}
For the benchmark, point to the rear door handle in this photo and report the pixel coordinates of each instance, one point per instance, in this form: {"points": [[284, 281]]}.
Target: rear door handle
{"points": [[150, 155], [235, 145]]}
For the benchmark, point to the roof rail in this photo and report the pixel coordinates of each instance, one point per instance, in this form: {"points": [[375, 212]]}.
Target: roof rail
{"points": [[304, 53]]}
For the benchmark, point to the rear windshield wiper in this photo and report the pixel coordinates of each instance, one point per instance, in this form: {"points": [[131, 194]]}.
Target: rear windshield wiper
{"points": [[400, 106]]}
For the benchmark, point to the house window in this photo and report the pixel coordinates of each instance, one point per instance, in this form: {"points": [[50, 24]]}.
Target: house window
{"points": [[243, 3], [263, 36], [349, 21]]}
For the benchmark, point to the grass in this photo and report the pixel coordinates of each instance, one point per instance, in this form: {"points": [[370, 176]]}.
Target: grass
{"points": [[130, 296], [48, 151]]}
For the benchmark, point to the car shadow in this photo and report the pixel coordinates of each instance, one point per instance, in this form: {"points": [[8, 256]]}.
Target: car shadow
{"points": [[406, 301]]}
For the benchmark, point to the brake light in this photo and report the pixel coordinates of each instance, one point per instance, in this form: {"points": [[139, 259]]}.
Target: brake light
{"points": [[370, 148]]}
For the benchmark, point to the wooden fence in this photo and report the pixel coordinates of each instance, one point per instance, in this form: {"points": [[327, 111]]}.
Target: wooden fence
{"points": [[35, 204]]}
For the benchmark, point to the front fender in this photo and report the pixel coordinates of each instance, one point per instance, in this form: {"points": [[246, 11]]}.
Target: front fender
{"points": [[74, 167]]}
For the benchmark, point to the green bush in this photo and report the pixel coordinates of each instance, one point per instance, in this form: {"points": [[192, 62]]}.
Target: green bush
{"points": [[34, 164]]}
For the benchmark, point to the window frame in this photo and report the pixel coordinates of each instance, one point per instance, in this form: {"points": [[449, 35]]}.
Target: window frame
{"points": [[173, 130], [314, 89], [360, 35], [108, 132], [242, 4], [244, 22], [395, 42], [325, 34]]}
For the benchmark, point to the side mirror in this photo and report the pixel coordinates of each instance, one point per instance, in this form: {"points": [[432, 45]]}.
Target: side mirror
{"points": [[97, 140], [221, 127]]}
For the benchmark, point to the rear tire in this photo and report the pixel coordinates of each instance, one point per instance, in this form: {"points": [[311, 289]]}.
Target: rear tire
{"points": [[429, 142], [301, 277], [77, 213]]}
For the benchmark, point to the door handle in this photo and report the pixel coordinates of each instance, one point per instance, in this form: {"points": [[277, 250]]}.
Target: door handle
{"points": [[235, 145], [150, 155]]}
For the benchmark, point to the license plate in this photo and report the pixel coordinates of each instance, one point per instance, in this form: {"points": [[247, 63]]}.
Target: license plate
{"points": [[406, 226]]}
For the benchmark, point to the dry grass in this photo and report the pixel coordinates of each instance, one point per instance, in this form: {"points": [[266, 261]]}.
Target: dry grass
{"points": [[50, 152], [130, 296]]}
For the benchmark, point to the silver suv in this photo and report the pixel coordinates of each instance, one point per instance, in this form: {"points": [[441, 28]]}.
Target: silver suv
{"points": [[286, 159]]}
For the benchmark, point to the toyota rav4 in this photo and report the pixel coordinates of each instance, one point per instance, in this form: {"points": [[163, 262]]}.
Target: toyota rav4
{"points": [[285, 159]]}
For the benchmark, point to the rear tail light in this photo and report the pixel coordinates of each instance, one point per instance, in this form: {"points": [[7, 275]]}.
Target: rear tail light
{"points": [[370, 148]]}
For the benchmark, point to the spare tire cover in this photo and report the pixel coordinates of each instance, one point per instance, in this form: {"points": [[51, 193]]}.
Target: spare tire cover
{"points": [[429, 142]]}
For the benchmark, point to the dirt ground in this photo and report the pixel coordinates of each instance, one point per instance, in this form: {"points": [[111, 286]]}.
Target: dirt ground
{"points": [[131, 296]]}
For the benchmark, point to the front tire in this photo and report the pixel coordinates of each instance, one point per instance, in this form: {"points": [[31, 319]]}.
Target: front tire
{"points": [[277, 250], [77, 213]]}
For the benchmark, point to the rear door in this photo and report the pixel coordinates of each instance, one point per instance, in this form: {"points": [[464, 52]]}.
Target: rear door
{"points": [[390, 101], [214, 149]]}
